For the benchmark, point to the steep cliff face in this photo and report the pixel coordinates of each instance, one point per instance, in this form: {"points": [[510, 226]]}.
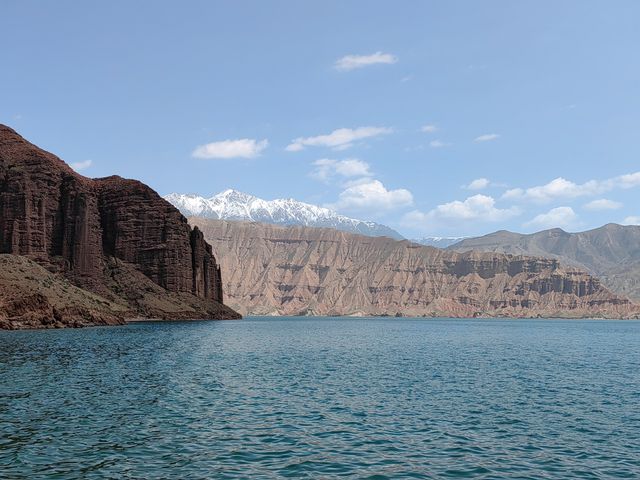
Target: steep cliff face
{"points": [[73, 225], [300, 270], [47, 212]]}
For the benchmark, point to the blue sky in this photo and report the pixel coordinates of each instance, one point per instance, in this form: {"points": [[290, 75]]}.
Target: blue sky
{"points": [[433, 117]]}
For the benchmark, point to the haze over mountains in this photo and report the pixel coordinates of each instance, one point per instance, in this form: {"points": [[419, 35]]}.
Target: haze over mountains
{"points": [[233, 205], [611, 252]]}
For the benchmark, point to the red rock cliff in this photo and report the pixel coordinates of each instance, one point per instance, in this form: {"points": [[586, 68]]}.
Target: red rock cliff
{"points": [[74, 225]]}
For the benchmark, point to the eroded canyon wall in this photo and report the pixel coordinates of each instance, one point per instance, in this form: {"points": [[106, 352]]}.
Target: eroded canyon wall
{"points": [[300, 270], [78, 226]]}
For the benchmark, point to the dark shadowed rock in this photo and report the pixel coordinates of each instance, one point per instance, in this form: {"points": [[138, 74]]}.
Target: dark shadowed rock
{"points": [[74, 225]]}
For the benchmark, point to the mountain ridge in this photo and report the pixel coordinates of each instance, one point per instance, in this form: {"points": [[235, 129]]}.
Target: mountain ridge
{"points": [[438, 242], [610, 252], [239, 206]]}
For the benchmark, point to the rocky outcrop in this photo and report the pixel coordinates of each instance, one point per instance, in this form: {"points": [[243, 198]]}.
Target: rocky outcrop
{"points": [[301, 270], [32, 297], [142, 229], [76, 226]]}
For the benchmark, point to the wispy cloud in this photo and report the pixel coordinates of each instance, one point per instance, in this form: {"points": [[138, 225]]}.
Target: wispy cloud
{"points": [[559, 217], [632, 220], [339, 139], [372, 196], [487, 137], [327, 168], [478, 184], [560, 188], [241, 148], [603, 204], [438, 144], [429, 128], [352, 62], [79, 166]]}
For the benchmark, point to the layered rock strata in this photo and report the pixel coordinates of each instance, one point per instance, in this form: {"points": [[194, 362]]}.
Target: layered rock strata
{"points": [[81, 228], [611, 252], [300, 270]]}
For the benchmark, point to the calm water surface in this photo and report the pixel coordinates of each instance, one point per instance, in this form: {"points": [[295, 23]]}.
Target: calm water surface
{"points": [[323, 398]]}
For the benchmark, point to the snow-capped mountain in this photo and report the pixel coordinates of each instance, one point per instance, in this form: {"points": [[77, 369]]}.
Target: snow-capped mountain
{"points": [[440, 242], [234, 205]]}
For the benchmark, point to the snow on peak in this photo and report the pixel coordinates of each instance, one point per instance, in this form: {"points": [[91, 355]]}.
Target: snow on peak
{"points": [[234, 205], [440, 242]]}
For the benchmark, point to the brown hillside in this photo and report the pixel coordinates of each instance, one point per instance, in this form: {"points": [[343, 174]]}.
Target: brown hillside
{"points": [[300, 270]]}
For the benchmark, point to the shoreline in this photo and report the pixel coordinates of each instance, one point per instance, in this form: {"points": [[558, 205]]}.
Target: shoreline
{"points": [[381, 317], [329, 317]]}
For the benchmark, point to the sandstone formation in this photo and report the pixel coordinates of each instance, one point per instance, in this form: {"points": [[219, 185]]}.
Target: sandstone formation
{"points": [[87, 230], [296, 270], [611, 252]]}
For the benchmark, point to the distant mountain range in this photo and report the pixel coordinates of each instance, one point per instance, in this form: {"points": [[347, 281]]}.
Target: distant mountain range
{"points": [[611, 252], [239, 206], [438, 242]]}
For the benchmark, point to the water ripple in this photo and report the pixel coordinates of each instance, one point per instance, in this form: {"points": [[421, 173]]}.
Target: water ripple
{"points": [[323, 398]]}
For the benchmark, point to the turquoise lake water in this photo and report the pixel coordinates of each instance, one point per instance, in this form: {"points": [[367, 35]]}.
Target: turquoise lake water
{"points": [[323, 398]]}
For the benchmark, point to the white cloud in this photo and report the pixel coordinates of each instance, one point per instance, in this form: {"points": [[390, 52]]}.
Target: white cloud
{"points": [[429, 128], [602, 204], [629, 180], [478, 184], [559, 217], [351, 62], [560, 188], [487, 137], [78, 166], [371, 195], [556, 188], [339, 139], [632, 220], [241, 148], [475, 208], [325, 168], [438, 144]]}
